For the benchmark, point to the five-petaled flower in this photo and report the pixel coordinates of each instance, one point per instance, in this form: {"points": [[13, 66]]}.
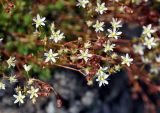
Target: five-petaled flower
{"points": [[84, 55], [98, 26], [116, 23], [11, 62], [30, 81], [149, 42], [101, 8], [108, 46], [113, 33], [56, 36], [101, 71], [82, 3], [147, 30], [12, 79], [126, 60], [39, 21], [19, 98], [102, 79], [50, 56], [138, 48], [33, 92]]}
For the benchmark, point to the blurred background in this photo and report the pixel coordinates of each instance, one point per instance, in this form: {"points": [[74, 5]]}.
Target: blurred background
{"points": [[76, 95]]}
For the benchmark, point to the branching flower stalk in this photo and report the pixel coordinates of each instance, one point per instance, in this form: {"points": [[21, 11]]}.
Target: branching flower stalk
{"points": [[97, 52]]}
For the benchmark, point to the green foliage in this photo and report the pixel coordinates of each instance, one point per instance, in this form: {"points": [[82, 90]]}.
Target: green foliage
{"points": [[43, 74]]}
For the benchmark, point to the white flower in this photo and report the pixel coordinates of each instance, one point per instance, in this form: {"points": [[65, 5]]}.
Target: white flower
{"points": [[147, 30], [52, 27], [27, 67], [39, 21], [149, 42], [11, 62], [139, 48], [86, 70], [2, 86], [89, 23], [114, 33], [157, 58], [98, 26], [101, 71], [116, 23], [19, 98], [145, 60], [12, 79], [1, 39], [126, 60], [121, 9], [57, 36], [101, 8], [102, 79], [154, 69], [50, 56], [84, 55], [87, 45], [108, 46], [33, 92], [30, 81], [117, 67], [82, 3]]}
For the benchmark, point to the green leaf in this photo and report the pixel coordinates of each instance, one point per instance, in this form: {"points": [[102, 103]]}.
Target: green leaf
{"points": [[27, 19]]}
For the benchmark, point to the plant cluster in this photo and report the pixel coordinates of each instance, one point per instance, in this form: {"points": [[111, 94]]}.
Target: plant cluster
{"points": [[97, 52]]}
